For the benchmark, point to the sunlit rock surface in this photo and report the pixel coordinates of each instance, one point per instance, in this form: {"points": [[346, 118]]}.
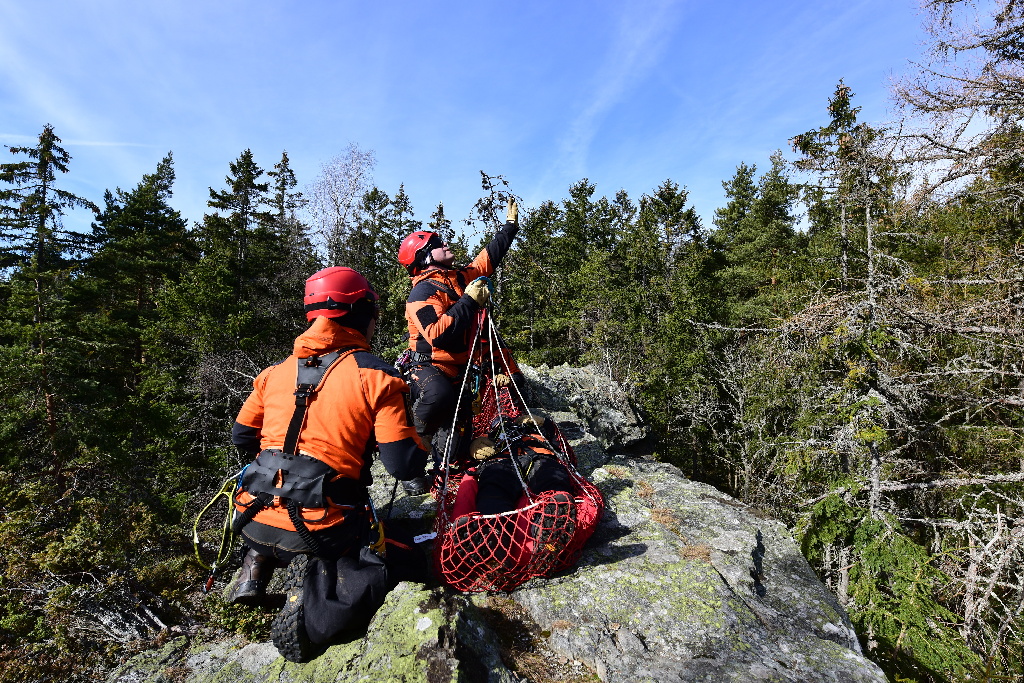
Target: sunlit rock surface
{"points": [[680, 583]]}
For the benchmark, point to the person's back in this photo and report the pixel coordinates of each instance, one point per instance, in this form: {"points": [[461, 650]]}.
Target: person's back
{"points": [[312, 422]]}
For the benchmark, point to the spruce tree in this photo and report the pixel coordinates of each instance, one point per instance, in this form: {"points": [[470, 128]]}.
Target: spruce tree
{"points": [[141, 246], [39, 343], [761, 249], [32, 206]]}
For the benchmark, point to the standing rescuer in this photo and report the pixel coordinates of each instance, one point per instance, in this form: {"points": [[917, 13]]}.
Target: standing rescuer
{"points": [[312, 422], [441, 313]]}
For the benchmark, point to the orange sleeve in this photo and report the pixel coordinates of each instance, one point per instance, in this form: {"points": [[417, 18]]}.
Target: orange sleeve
{"points": [[251, 414], [400, 448]]}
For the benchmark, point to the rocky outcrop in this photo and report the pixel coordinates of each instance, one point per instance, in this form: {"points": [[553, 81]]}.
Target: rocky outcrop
{"points": [[680, 583], [593, 399]]}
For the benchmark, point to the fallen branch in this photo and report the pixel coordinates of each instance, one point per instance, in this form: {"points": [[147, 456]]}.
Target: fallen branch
{"points": [[889, 487]]}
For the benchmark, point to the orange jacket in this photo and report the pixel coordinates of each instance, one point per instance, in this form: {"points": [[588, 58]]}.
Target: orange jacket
{"points": [[360, 405], [440, 316]]}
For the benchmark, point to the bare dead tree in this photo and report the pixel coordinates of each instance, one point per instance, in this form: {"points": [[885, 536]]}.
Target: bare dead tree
{"points": [[968, 95], [334, 199]]}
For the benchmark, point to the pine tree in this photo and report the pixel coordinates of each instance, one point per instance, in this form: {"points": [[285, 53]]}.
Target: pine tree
{"points": [[534, 300], [140, 245], [285, 201], [760, 246], [40, 342], [30, 211], [234, 311]]}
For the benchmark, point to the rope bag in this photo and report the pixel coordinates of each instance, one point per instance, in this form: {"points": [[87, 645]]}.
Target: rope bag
{"points": [[546, 531]]}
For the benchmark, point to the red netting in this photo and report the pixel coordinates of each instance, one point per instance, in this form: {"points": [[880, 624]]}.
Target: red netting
{"points": [[500, 552], [476, 552]]}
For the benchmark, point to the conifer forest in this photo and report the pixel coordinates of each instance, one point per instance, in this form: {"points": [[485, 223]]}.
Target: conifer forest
{"points": [[842, 348]]}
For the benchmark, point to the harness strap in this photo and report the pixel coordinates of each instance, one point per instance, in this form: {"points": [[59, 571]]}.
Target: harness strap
{"points": [[260, 502], [444, 288], [308, 379], [300, 526]]}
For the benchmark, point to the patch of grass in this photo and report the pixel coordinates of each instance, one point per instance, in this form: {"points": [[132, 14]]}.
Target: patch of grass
{"points": [[666, 517], [252, 623], [616, 471], [696, 552]]}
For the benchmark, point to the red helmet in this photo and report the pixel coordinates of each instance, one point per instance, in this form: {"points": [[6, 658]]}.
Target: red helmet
{"points": [[409, 252], [332, 292]]}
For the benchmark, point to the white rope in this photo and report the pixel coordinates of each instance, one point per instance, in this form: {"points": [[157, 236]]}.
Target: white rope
{"points": [[492, 339], [445, 460], [560, 452]]}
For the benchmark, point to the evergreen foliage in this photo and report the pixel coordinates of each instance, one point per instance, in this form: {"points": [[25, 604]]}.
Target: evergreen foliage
{"points": [[856, 375]]}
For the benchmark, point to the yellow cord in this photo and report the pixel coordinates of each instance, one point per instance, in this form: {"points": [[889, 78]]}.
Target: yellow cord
{"points": [[227, 538]]}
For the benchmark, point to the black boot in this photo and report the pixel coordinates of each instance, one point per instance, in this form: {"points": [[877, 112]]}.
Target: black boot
{"points": [[251, 586], [417, 486]]}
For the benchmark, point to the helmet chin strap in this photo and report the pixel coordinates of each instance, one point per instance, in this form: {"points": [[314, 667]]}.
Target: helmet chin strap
{"points": [[428, 260]]}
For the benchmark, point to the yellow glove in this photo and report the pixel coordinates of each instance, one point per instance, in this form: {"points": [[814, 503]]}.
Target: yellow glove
{"points": [[528, 421], [512, 215], [501, 381], [478, 291], [481, 448]]}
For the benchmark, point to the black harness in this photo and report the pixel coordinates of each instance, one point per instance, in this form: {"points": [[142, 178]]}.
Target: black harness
{"points": [[304, 481]]}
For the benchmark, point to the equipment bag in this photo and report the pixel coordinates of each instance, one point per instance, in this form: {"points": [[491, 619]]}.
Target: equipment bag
{"points": [[346, 592]]}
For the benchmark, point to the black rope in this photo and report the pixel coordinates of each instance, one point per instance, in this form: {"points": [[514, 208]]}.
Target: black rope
{"points": [[255, 507], [304, 533], [391, 503]]}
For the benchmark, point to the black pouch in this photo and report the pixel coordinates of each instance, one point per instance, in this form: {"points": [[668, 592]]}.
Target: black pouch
{"points": [[405, 560], [303, 477], [344, 594]]}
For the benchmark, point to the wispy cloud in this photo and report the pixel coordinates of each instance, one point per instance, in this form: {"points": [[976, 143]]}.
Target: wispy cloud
{"points": [[642, 33]]}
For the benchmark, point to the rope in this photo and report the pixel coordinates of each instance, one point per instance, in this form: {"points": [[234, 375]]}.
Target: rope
{"points": [[501, 551], [493, 344], [227, 536], [560, 450], [446, 458], [300, 526]]}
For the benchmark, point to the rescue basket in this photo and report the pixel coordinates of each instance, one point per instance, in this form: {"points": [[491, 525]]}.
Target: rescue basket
{"points": [[542, 535]]}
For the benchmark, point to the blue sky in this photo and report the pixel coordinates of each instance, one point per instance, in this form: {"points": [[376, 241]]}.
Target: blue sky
{"points": [[626, 94]]}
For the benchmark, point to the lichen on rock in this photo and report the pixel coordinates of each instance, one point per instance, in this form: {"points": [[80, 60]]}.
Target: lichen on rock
{"points": [[680, 582]]}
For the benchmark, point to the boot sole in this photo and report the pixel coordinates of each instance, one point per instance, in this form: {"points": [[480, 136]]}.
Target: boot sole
{"points": [[288, 630]]}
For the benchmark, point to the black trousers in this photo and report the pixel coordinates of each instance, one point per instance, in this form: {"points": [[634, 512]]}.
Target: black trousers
{"points": [[498, 485], [435, 398], [341, 540]]}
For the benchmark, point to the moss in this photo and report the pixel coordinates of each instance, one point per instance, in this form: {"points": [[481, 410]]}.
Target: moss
{"points": [[390, 651], [323, 669], [152, 663], [229, 673], [685, 589], [393, 651]]}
